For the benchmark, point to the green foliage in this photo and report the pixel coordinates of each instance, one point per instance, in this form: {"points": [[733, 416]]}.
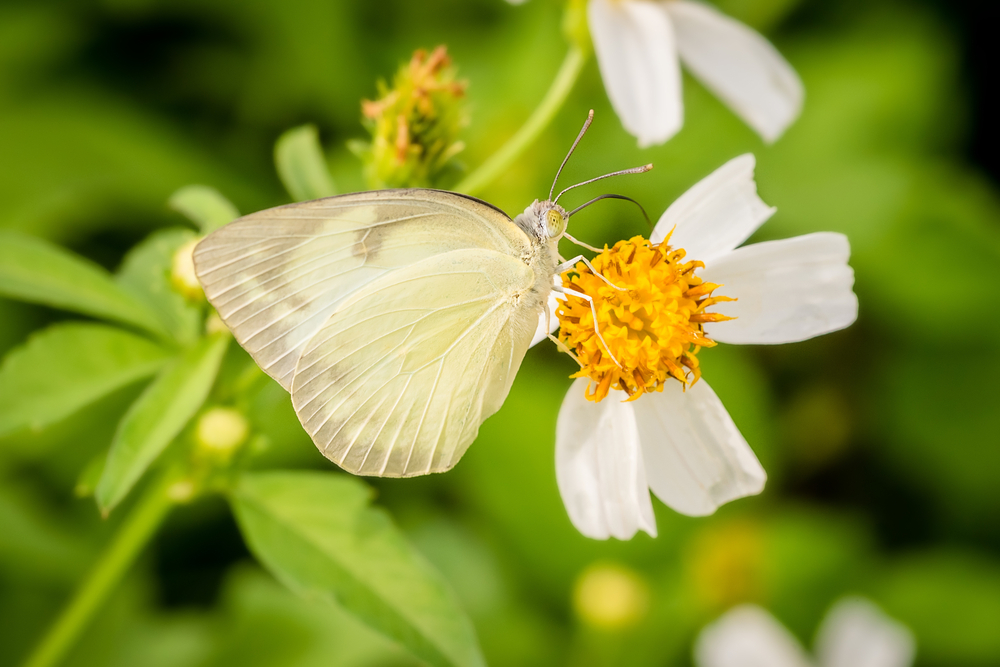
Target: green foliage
{"points": [[318, 534], [37, 271], [145, 273], [267, 626], [301, 164], [951, 601], [36, 546], [204, 206], [157, 417], [879, 441], [68, 366]]}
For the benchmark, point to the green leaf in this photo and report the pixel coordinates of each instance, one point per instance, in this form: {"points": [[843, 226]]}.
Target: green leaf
{"points": [[67, 366], [317, 533], [86, 482], [157, 417], [204, 206], [146, 274], [35, 270], [38, 545], [301, 165]]}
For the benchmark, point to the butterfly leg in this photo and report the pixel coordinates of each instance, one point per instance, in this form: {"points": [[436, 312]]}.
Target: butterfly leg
{"points": [[565, 348], [570, 263], [581, 243], [593, 310]]}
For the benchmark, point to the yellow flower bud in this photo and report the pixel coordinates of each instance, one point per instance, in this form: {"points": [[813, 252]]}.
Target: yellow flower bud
{"points": [[610, 596], [182, 275], [182, 491], [214, 324], [221, 430]]}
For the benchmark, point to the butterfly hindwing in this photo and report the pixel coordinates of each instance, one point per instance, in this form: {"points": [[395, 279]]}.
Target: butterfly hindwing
{"points": [[276, 276], [399, 379]]}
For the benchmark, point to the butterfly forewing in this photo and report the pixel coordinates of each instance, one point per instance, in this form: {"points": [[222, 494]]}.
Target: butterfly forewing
{"points": [[276, 276], [399, 379]]}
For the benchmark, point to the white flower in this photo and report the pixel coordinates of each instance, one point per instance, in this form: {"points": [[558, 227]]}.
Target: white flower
{"points": [[855, 633], [640, 44], [680, 442]]}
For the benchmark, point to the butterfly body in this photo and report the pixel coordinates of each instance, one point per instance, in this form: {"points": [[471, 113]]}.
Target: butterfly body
{"points": [[397, 319]]}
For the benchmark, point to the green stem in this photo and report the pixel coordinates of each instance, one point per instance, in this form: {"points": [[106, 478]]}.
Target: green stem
{"points": [[534, 126], [132, 536]]}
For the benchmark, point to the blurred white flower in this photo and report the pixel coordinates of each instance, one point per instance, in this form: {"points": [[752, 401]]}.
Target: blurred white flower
{"points": [[673, 434], [640, 44], [855, 633]]}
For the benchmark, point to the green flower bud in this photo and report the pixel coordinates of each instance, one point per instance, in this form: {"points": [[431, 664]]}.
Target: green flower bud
{"points": [[414, 124], [220, 431], [575, 26]]}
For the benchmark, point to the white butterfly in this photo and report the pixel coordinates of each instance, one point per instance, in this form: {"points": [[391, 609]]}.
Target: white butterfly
{"points": [[397, 319]]}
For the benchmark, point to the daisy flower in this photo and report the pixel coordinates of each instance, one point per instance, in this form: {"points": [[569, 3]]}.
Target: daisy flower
{"points": [[641, 43], [639, 417], [855, 633]]}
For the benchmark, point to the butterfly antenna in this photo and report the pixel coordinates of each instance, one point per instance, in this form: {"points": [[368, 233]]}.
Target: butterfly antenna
{"points": [[634, 170], [597, 199], [586, 124]]}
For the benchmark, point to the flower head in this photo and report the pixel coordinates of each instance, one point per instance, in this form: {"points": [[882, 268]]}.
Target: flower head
{"points": [[662, 429], [415, 123], [640, 45], [652, 329], [854, 633]]}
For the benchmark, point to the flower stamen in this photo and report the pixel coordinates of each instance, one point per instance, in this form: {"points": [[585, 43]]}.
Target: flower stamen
{"points": [[635, 316]]}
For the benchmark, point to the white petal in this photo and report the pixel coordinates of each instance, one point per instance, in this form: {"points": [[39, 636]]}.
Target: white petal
{"points": [[547, 323], [637, 57], [696, 459], [599, 467], [788, 290], [741, 67], [748, 636], [720, 212], [857, 634]]}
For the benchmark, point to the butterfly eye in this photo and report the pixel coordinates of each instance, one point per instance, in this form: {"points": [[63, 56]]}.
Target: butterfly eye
{"points": [[555, 223]]}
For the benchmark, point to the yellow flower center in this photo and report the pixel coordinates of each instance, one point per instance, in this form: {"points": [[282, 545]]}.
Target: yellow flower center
{"points": [[654, 328]]}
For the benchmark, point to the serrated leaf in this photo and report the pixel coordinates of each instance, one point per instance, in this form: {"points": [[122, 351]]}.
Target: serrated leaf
{"points": [[319, 535], [68, 366], [145, 273], [301, 165], [157, 417], [32, 269], [204, 206]]}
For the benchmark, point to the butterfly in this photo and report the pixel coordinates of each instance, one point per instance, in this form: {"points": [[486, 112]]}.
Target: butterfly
{"points": [[397, 319]]}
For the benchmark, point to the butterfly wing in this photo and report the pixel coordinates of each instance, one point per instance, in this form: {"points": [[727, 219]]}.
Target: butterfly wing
{"points": [[399, 379], [276, 276]]}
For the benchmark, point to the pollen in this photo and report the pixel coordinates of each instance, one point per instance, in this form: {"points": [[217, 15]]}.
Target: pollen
{"points": [[652, 329]]}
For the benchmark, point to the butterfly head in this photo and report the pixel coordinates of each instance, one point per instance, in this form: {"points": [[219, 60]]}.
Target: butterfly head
{"points": [[545, 220]]}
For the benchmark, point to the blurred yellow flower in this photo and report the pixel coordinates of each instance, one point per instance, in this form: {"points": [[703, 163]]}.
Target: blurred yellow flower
{"points": [[610, 596], [221, 430]]}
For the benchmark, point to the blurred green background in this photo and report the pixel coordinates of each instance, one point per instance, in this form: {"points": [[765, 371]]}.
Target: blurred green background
{"points": [[881, 441]]}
